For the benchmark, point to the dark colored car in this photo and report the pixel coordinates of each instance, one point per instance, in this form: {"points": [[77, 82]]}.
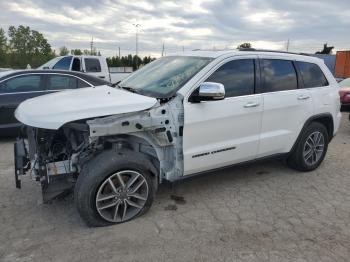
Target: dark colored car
{"points": [[17, 86]]}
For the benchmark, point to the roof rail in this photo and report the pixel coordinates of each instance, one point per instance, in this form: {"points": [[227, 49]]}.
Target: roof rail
{"points": [[271, 51]]}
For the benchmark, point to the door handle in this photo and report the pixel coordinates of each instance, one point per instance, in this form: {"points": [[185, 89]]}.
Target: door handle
{"points": [[251, 104], [303, 97]]}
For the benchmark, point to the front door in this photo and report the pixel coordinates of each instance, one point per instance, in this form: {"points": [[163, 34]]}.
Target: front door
{"points": [[225, 132]]}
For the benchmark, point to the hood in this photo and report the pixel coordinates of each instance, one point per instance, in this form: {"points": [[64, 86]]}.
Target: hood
{"points": [[54, 110]]}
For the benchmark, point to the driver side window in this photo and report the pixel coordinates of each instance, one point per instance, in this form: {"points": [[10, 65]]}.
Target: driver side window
{"points": [[237, 76]]}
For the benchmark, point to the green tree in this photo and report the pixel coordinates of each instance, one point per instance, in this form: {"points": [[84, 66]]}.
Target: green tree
{"points": [[28, 46], [244, 45], [136, 62], [326, 49], [63, 51], [76, 52], [130, 61], [3, 48], [3, 41]]}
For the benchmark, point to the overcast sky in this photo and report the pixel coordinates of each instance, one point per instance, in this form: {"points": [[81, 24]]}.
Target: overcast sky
{"points": [[183, 24]]}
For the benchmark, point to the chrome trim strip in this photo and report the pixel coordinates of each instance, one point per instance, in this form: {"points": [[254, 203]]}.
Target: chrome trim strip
{"points": [[16, 93]]}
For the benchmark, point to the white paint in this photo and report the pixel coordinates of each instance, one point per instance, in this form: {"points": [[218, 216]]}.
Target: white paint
{"points": [[54, 110], [103, 74], [268, 129]]}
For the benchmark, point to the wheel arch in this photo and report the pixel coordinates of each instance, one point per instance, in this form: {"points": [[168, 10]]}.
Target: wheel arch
{"points": [[140, 144], [325, 119]]}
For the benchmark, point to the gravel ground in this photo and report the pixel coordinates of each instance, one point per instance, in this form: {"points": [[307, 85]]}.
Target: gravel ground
{"points": [[260, 212]]}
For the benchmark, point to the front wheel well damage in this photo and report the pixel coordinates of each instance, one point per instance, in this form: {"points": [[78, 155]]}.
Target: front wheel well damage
{"points": [[123, 144]]}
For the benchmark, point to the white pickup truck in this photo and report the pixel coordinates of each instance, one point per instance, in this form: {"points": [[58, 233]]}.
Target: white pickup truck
{"points": [[92, 65]]}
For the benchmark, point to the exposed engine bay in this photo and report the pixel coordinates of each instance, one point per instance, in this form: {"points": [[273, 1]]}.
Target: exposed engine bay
{"points": [[56, 157]]}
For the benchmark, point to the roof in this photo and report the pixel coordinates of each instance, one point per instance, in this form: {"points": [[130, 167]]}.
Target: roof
{"points": [[5, 73], [82, 56], [237, 52]]}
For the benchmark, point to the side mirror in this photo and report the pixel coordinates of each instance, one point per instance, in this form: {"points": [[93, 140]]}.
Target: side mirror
{"points": [[209, 91]]}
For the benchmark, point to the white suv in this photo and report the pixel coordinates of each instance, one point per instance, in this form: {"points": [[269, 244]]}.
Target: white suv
{"points": [[174, 118]]}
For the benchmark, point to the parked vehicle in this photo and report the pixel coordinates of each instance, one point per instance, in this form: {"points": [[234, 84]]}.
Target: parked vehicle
{"points": [[92, 65], [17, 86], [344, 93], [176, 117]]}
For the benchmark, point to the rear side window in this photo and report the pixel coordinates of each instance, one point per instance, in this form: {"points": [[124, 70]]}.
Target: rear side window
{"points": [[92, 65], [278, 75], [311, 75], [237, 76], [26, 83], [59, 82], [82, 84], [64, 63]]}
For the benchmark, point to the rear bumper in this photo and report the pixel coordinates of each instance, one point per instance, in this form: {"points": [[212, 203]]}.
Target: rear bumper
{"points": [[22, 162]]}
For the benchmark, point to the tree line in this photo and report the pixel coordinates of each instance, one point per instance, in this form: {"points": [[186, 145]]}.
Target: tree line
{"points": [[129, 60], [65, 51], [114, 61], [21, 46]]}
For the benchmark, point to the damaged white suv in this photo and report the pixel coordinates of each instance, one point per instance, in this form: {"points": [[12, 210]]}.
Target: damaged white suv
{"points": [[176, 117]]}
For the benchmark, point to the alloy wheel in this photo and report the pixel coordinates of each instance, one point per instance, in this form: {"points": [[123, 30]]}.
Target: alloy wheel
{"points": [[122, 196], [313, 148]]}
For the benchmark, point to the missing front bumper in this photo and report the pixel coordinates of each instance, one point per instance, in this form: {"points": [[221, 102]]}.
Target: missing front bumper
{"points": [[22, 163]]}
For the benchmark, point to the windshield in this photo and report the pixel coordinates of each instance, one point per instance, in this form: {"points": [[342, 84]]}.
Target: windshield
{"points": [[49, 64], [163, 77], [345, 83]]}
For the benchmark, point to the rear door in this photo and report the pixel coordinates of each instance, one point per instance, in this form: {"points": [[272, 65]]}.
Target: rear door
{"points": [[94, 67], [15, 90], [286, 107], [314, 80]]}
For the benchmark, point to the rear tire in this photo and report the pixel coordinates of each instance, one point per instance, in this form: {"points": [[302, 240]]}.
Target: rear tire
{"points": [[114, 187], [310, 149]]}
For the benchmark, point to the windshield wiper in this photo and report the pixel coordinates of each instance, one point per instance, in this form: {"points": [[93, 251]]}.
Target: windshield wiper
{"points": [[130, 89]]}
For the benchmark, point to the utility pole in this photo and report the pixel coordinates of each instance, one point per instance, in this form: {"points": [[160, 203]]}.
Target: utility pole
{"points": [[183, 49], [119, 51], [91, 45], [163, 50], [137, 42], [288, 45]]}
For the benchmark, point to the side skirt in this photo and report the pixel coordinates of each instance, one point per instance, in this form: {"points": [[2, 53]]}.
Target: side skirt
{"points": [[281, 156]]}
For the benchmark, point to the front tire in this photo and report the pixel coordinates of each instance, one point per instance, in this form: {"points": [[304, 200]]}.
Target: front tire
{"points": [[114, 187], [310, 149]]}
